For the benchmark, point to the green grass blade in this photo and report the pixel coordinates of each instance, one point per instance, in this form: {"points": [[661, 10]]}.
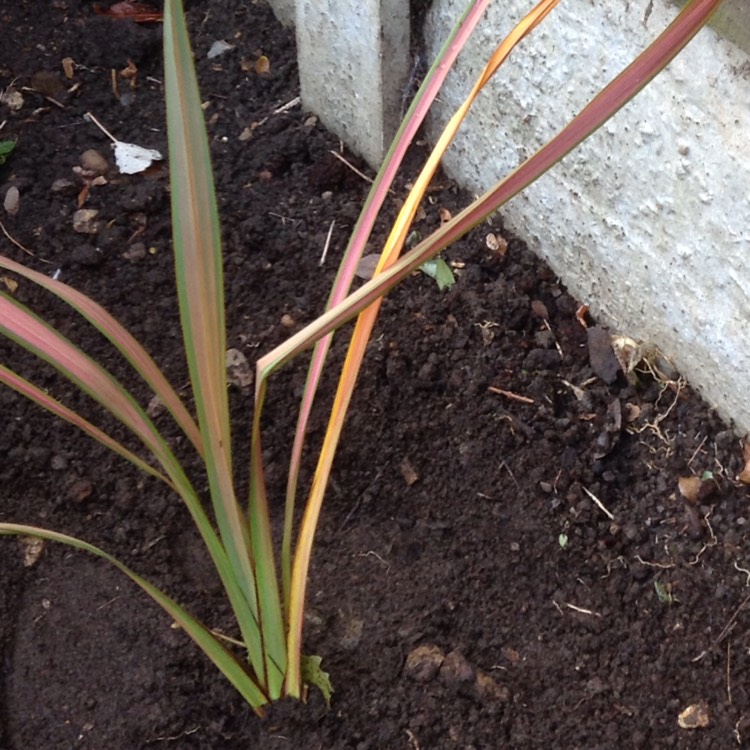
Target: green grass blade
{"points": [[229, 665], [198, 263]]}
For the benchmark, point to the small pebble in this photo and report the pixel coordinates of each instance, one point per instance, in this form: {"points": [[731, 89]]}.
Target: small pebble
{"points": [[424, 662], [93, 161], [84, 221], [11, 201]]}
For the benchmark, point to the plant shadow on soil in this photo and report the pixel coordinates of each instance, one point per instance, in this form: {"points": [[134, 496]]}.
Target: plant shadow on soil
{"points": [[459, 527]]}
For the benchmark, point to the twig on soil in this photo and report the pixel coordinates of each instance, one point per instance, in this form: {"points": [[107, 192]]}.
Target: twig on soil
{"points": [[16, 242], [328, 243], [745, 571], [599, 503], [284, 107], [697, 450], [174, 737], [725, 630], [511, 395], [413, 741], [729, 673], [351, 166], [661, 566], [554, 338], [504, 464], [581, 610], [376, 556]]}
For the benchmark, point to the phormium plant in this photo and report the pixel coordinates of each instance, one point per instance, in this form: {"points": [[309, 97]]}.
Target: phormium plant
{"points": [[268, 600]]}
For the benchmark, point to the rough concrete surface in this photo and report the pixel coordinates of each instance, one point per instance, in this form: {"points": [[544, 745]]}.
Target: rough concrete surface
{"points": [[648, 221], [353, 61], [284, 10]]}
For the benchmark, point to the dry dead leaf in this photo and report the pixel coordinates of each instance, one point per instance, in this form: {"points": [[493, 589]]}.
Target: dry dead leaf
{"points": [[32, 549], [68, 66], [12, 98], [689, 488], [445, 215], [262, 65], [696, 716], [130, 73], [10, 284], [744, 475], [497, 244], [239, 372], [407, 472], [131, 11]]}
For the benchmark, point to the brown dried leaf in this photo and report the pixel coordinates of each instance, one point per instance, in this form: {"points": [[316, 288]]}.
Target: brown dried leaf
{"points": [[689, 488], [262, 65], [239, 371], [68, 66], [497, 244], [744, 475], [445, 215], [10, 284], [407, 472]]}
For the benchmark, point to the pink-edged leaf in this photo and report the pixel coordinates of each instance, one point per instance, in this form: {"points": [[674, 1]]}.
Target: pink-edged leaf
{"points": [[25, 388], [230, 666], [360, 338], [198, 265], [122, 339], [26, 329], [614, 96], [408, 129]]}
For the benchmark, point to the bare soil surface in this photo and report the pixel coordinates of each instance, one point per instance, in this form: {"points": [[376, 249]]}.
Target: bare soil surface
{"points": [[504, 558]]}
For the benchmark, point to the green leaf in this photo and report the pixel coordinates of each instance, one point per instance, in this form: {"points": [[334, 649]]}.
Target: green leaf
{"points": [[228, 664], [664, 593], [6, 149], [312, 674], [439, 270]]}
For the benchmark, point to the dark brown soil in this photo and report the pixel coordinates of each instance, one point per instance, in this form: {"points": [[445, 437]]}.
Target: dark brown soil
{"points": [[563, 624]]}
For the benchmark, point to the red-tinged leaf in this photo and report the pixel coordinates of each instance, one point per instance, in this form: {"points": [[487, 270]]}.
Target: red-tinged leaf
{"points": [[43, 399], [119, 337], [231, 667], [347, 270], [138, 12]]}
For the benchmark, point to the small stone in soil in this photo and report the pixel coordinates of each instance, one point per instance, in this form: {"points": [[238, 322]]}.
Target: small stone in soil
{"points": [[84, 221], [456, 670], [424, 662], [93, 161]]}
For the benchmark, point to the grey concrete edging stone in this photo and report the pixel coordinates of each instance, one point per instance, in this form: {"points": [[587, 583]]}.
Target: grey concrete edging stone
{"points": [[648, 222], [353, 63]]}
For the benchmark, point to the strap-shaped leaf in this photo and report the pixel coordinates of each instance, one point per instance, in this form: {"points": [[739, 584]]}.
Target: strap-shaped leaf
{"points": [[229, 665]]}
